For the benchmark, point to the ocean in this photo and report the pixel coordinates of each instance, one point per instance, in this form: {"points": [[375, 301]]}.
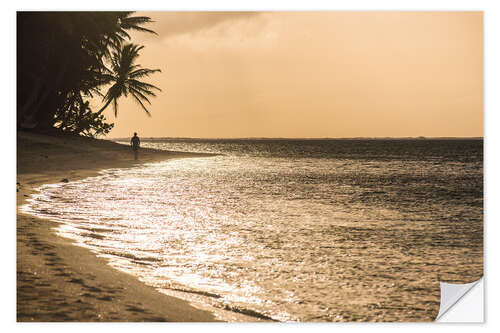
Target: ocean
{"points": [[289, 230]]}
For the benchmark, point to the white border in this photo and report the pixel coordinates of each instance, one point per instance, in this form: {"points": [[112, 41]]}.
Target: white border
{"points": [[492, 146]]}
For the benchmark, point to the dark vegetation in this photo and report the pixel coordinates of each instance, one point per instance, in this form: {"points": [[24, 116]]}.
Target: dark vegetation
{"points": [[64, 59]]}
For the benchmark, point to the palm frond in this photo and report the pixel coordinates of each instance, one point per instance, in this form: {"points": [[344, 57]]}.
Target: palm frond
{"points": [[135, 22], [140, 95], [146, 87], [141, 104], [143, 72]]}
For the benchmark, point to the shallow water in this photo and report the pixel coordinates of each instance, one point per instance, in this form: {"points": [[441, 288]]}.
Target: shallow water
{"points": [[307, 230]]}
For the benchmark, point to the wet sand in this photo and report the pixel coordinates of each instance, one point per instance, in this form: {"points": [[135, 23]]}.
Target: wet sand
{"points": [[57, 281]]}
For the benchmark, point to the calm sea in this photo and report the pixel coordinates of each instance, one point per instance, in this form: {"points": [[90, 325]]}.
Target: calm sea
{"points": [[293, 230]]}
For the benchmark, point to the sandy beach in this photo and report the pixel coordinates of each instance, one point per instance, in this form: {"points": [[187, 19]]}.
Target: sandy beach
{"points": [[57, 281]]}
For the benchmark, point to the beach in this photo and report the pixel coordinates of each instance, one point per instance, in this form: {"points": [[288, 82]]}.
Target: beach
{"points": [[57, 281]]}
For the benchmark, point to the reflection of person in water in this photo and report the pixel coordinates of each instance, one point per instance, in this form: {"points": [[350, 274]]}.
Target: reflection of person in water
{"points": [[135, 142]]}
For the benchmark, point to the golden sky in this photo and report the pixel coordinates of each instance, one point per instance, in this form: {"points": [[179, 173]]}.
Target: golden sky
{"points": [[310, 74]]}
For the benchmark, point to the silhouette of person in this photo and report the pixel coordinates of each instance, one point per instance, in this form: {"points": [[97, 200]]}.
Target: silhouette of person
{"points": [[135, 142]]}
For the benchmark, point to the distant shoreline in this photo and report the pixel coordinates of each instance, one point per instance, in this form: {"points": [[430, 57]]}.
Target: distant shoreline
{"points": [[305, 139]]}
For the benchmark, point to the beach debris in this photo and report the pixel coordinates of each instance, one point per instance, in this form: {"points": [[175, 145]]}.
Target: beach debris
{"points": [[64, 180]]}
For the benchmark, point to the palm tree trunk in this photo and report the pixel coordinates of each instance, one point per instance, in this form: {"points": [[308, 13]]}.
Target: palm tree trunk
{"points": [[104, 107]]}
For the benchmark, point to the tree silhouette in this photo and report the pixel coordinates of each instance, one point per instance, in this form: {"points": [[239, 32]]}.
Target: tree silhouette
{"points": [[125, 75], [66, 58]]}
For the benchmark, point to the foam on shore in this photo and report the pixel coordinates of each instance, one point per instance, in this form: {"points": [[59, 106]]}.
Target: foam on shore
{"points": [[57, 281]]}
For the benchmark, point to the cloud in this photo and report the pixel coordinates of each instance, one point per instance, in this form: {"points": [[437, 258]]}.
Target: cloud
{"points": [[168, 24], [251, 34]]}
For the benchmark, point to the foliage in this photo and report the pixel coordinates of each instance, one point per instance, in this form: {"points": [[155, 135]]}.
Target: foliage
{"points": [[78, 118], [66, 58], [125, 75]]}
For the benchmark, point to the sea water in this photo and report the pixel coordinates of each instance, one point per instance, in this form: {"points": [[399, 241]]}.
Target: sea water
{"points": [[291, 230]]}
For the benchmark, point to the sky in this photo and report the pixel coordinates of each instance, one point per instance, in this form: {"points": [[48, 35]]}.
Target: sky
{"points": [[310, 75]]}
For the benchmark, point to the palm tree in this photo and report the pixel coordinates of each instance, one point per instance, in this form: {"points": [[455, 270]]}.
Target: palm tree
{"points": [[124, 76], [127, 22], [118, 34]]}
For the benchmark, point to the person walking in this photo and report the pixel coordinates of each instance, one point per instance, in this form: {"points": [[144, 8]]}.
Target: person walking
{"points": [[135, 142]]}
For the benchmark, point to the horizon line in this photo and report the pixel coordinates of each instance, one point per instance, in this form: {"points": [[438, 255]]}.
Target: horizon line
{"points": [[305, 138]]}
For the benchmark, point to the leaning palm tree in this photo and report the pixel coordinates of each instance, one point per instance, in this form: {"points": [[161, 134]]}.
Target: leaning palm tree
{"points": [[124, 77]]}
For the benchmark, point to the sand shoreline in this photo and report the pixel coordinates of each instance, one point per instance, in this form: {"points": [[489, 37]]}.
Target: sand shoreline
{"points": [[58, 281]]}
